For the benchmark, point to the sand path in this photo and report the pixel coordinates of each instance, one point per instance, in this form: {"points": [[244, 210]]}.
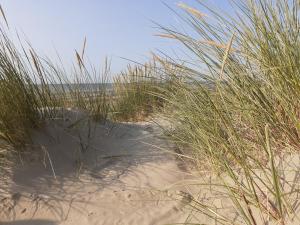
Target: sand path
{"points": [[101, 174]]}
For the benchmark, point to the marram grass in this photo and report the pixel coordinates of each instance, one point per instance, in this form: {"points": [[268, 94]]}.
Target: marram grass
{"points": [[32, 90], [238, 109], [134, 92]]}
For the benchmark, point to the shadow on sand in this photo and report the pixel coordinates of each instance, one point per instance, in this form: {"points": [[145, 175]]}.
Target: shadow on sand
{"points": [[75, 161], [29, 222]]}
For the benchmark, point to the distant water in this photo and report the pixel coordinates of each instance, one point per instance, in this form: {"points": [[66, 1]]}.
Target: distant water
{"points": [[84, 87]]}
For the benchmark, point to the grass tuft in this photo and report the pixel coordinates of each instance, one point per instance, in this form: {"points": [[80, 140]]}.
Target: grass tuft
{"points": [[238, 108], [134, 93]]}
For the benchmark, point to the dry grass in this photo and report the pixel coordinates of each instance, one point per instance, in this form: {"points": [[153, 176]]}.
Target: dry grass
{"points": [[240, 111], [134, 93], [34, 90]]}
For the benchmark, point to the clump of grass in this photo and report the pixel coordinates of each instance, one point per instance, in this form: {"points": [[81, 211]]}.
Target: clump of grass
{"points": [[134, 89], [89, 91], [238, 109], [33, 91], [21, 98]]}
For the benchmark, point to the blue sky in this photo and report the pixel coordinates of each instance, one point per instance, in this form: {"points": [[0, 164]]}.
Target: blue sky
{"points": [[113, 28]]}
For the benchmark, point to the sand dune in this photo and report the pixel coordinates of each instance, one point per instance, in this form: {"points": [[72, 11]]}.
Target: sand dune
{"points": [[114, 176]]}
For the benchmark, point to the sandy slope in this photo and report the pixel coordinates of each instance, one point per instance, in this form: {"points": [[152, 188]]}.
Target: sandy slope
{"points": [[112, 177], [115, 174]]}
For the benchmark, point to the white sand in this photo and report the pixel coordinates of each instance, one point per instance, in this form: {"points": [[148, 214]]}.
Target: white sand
{"points": [[120, 179], [119, 175]]}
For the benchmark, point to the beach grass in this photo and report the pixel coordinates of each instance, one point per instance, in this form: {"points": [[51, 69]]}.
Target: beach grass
{"points": [[135, 93], [237, 109], [34, 91]]}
